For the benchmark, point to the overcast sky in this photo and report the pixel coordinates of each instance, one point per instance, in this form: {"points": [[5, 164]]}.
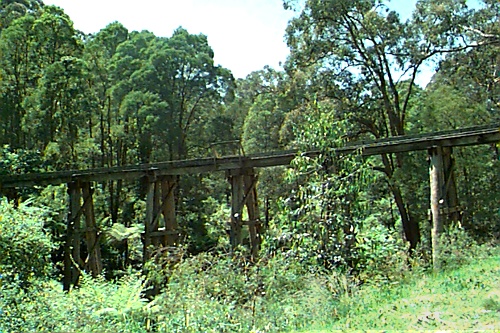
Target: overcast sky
{"points": [[245, 35]]}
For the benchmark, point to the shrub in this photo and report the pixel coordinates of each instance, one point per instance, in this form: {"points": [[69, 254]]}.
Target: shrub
{"points": [[96, 306], [457, 247], [24, 244]]}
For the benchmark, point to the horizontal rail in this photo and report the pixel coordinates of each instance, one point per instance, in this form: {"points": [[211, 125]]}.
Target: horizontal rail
{"points": [[453, 138]]}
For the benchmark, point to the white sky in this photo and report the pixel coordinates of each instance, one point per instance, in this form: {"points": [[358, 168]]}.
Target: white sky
{"points": [[245, 35]]}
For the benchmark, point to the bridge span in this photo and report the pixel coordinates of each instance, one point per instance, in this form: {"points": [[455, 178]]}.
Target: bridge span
{"points": [[162, 177]]}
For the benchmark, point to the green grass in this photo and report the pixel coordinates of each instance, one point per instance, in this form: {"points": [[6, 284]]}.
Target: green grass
{"points": [[465, 299]]}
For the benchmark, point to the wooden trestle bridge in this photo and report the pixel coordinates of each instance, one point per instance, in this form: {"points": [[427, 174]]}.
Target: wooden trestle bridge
{"points": [[161, 179]]}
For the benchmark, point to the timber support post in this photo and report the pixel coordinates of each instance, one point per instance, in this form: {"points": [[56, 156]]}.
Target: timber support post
{"points": [[236, 179], [244, 193], [443, 197], [254, 227], [93, 262], [148, 223], [72, 245], [168, 185], [73, 263], [160, 200], [436, 177], [452, 206]]}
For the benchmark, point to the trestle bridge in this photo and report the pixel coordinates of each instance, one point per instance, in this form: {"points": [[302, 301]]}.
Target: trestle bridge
{"points": [[161, 179]]}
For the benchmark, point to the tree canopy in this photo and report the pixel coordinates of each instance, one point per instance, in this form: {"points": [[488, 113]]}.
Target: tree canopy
{"points": [[70, 100]]}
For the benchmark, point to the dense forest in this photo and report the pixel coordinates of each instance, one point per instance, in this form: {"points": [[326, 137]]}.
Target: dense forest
{"points": [[70, 100]]}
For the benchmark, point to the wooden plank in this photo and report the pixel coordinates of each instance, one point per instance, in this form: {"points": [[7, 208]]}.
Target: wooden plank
{"points": [[450, 192], [455, 138]]}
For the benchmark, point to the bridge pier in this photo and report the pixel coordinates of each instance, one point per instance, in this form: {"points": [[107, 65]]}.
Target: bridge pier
{"points": [[443, 196], [244, 193], [73, 262], [93, 263], [160, 201]]}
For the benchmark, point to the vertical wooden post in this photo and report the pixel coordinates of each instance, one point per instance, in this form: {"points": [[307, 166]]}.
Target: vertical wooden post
{"points": [[94, 264], [72, 245], [244, 193], [68, 263], [156, 241], [450, 186], [250, 181], [236, 180], [436, 196], [168, 185], [148, 223]]}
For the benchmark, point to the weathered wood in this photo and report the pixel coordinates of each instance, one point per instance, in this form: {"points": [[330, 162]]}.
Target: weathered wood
{"points": [[93, 263], [235, 177], [72, 260], [68, 262], [450, 187], [157, 203], [436, 174], [148, 223], [250, 181], [463, 137], [168, 185]]}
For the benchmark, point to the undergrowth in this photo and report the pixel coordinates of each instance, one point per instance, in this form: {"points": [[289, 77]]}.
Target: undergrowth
{"points": [[457, 299], [228, 293]]}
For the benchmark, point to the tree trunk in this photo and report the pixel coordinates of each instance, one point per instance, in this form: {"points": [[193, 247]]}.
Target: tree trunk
{"points": [[410, 225]]}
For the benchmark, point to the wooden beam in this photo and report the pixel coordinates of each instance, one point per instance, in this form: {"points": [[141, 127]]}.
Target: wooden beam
{"points": [[72, 259], [450, 192], [454, 138]]}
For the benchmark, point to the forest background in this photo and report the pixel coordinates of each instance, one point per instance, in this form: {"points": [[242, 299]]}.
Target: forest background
{"points": [[71, 100]]}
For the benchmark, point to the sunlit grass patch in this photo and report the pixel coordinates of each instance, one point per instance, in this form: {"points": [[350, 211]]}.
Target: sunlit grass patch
{"points": [[465, 299]]}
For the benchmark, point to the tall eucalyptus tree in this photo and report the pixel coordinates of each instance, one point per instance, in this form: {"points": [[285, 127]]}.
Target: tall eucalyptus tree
{"points": [[362, 51]]}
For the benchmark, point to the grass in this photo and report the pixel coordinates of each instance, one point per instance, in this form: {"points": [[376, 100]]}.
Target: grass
{"points": [[464, 299], [209, 293]]}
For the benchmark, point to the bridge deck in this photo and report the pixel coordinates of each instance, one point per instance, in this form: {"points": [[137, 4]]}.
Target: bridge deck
{"points": [[452, 138]]}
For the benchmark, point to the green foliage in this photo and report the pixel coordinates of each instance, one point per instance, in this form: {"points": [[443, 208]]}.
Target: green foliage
{"points": [[326, 212], [465, 298], [224, 294], [19, 161], [220, 293], [118, 97], [25, 245], [96, 306], [458, 247]]}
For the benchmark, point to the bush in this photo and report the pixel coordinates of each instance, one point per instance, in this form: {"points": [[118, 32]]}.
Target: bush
{"points": [[381, 254], [95, 306], [223, 293], [24, 243], [457, 247]]}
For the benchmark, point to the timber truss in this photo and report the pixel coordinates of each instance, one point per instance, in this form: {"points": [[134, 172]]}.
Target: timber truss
{"points": [[161, 229]]}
